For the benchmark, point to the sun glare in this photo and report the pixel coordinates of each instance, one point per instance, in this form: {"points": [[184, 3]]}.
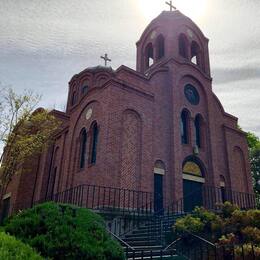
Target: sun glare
{"points": [[194, 9]]}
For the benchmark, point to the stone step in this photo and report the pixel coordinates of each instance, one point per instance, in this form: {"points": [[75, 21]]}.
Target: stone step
{"points": [[166, 257], [142, 243], [154, 227], [151, 253], [149, 232], [134, 235], [144, 231], [138, 238], [157, 228], [147, 248], [144, 240]]}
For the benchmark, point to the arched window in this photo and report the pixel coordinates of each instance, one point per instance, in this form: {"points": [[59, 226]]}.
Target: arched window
{"points": [[83, 148], [73, 98], [149, 59], [184, 127], [197, 125], [84, 89], [183, 46], [159, 167], [53, 172], [94, 142], [160, 47], [193, 168], [195, 54]]}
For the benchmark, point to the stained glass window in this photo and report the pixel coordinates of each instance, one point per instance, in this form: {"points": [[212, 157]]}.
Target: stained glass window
{"points": [[193, 168]]}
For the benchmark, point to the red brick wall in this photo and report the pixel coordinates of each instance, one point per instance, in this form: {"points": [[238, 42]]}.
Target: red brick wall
{"points": [[138, 115]]}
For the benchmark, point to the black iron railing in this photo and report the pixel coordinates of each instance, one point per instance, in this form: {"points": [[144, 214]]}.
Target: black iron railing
{"points": [[124, 200], [131, 209], [104, 198], [134, 208], [195, 247], [210, 198]]}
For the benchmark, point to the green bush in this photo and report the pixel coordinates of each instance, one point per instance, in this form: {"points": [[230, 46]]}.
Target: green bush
{"points": [[229, 226], [227, 209], [246, 252], [255, 217], [64, 232], [251, 234], [211, 220], [228, 239], [204, 215], [190, 224], [13, 249]]}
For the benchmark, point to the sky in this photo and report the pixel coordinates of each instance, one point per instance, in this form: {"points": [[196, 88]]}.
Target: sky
{"points": [[43, 43]]}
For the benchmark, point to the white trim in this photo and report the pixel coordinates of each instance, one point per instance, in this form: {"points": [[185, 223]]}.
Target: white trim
{"points": [[193, 178], [158, 171], [7, 195]]}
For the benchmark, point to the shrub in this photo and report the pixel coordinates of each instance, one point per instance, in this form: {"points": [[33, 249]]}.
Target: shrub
{"points": [[204, 215], [247, 252], [227, 209], [64, 232], [190, 224], [13, 249], [240, 219], [228, 239], [254, 215], [251, 234]]}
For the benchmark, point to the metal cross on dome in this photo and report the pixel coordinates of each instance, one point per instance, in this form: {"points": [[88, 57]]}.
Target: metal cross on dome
{"points": [[171, 5], [105, 58]]}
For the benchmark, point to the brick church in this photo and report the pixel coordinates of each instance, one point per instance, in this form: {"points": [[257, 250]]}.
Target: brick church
{"points": [[159, 129]]}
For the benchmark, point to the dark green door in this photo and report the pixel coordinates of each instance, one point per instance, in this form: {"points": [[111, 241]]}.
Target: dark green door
{"points": [[192, 195], [158, 192]]}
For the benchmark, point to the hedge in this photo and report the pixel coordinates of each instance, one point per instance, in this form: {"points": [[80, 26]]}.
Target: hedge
{"points": [[13, 249], [64, 232]]}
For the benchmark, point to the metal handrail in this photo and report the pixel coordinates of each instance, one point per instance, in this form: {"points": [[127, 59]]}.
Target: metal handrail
{"points": [[121, 240], [201, 238], [172, 243]]}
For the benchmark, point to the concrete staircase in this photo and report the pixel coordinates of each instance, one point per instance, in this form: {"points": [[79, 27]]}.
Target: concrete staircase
{"points": [[148, 240]]}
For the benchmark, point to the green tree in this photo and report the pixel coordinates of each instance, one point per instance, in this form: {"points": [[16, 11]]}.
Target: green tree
{"points": [[252, 140], [24, 131], [254, 154]]}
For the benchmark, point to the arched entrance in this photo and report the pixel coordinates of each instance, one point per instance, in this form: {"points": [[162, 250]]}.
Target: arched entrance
{"points": [[193, 180], [159, 171]]}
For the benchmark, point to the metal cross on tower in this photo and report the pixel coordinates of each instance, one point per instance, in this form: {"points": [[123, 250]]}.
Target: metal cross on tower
{"points": [[105, 58], [171, 5]]}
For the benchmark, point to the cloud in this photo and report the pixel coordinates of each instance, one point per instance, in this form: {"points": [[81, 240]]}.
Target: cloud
{"points": [[225, 75]]}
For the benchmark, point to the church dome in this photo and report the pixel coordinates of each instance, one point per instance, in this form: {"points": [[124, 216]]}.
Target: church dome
{"points": [[99, 68], [172, 35]]}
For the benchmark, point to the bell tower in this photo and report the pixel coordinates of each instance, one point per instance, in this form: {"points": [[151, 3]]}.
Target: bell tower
{"points": [[172, 35]]}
